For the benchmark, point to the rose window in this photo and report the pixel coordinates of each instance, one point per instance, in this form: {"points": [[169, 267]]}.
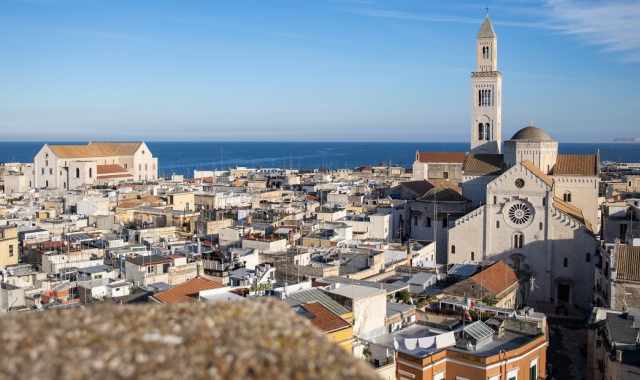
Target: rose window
{"points": [[519, 213]]}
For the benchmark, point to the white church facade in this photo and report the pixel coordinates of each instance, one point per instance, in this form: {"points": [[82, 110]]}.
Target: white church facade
{"points": [[67, 167], [529, 205]]}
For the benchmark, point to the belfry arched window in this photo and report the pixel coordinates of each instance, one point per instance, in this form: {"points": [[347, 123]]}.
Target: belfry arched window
{"points": [[566, 196]]}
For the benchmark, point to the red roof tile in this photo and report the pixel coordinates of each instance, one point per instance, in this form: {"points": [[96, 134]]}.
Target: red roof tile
{"points": [[186, 292], [323, 318], [576, 165], [441, 157]]}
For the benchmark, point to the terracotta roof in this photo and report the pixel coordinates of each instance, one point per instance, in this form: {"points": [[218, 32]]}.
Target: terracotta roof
{"points": [[496, 278], [628, 263], [571, 210], [537, 172], [419, 188], [576, 164], [483, 164], [491, 281], [110, 176], [440, 157], [443, 194], [187, 291], [94, 149], [323, 318], [110, 169]]}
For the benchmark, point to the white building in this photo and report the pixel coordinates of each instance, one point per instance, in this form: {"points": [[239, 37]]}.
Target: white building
{"points": [[73, 166]]}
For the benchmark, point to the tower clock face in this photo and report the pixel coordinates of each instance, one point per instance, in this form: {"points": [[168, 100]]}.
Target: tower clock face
{"points": [[519, 183], [518, 213]]}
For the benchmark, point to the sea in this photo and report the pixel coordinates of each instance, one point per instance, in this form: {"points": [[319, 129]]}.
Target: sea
{"points": [[185, 157]]}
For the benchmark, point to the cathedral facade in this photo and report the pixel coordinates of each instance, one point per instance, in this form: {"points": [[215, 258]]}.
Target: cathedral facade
{"points": [[527, 204]]}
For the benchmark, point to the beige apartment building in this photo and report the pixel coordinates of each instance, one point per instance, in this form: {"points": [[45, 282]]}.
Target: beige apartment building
{"points": [[8, 246], [74, 166]]}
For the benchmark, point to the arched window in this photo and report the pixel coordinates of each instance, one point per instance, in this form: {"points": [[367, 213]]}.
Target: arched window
{"points": [[473, 256], [480, 131], [453, 249], [518, 240], [488, 103], [77, 172], [567, 196], [565, 262], [588, 257]]}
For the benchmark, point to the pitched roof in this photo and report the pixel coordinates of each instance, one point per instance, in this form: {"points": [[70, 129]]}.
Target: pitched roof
{"points": [[187, 291], [419, 188], [440, 157], [486, 29], [492, 280], [323, 318], [576, 165], [496, 278], [443, 194], [483, 164], [95, 149], [110, 169], [628, 263], [571, 210], [537, 172]]}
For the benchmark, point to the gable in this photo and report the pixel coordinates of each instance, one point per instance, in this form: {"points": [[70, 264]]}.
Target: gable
{"points": [[532, 180]]}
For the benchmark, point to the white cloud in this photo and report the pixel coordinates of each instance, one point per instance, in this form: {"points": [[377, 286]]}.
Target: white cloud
{"points": [[613, 25]]}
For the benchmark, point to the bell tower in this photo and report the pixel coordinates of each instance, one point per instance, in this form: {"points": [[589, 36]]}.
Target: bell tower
{"points": [[486, 91]]}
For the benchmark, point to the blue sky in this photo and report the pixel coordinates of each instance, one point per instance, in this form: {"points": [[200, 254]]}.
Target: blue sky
{"points": [[367, 70]]}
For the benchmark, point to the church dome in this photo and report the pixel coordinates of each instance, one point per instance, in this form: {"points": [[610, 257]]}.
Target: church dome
{"points": [[532, 134]]}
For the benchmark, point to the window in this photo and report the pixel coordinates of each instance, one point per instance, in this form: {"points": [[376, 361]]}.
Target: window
{"points": [[444, 222], [150, 269], [125, 166], [90, 172], [428, 222], [453, 249], [566, 196], [42, 170], [50, 171], [10, 250], [46, 162], [541, 226], [518, 240], [415, 220], [438, 376], [533, 370], [77, 172], [445, 175], [497, 224], [46, 183], [587, 257], [565, 262], [480, 132], [473, 256], [495, 200], [512, 375]]}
